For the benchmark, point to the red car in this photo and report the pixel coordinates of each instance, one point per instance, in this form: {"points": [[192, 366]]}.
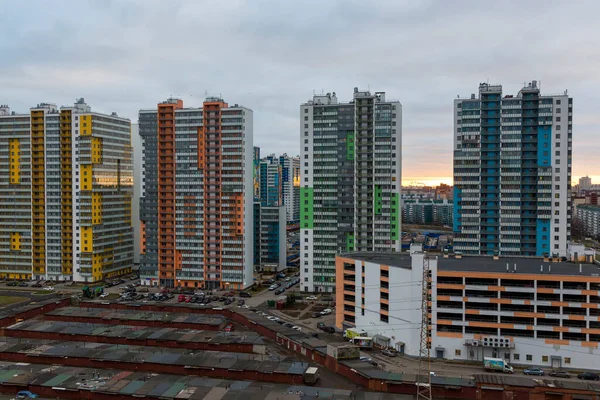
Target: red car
{"points": [[181, 298], [188, 299], [229, 328]]}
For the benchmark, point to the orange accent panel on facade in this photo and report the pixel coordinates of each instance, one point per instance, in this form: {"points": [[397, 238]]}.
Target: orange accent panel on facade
{"points": [[166, 189], [589, 344], [450, 286], [545, 290], [590, 292], [455, 335], [443, 298], [501, 301], [577, 317], [479, 324], [557, 342], [444, 322], [496, 288], [384, 267], [472, 312]]}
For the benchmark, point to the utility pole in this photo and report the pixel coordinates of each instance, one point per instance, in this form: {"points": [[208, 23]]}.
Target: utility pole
{"points": [[424, 372]]}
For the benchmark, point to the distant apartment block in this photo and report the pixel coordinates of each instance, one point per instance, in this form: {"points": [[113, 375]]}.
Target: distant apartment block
{"points": [[427, 212], [270, 181], [66, 185], [269, 237], [350, 177], [512, 172], [589, 216], [197, 198]]}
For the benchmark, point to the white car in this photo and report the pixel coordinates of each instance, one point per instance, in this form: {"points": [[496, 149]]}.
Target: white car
{"points": [[326, 311], [288, 279], [297, 328], [103, 295], [49, 288], [272, 318], [312, 298]]}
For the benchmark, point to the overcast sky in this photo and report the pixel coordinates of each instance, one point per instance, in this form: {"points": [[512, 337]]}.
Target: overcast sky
{"points": [[271, 55]]}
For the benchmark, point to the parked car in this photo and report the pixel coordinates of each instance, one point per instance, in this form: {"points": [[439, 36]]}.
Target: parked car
{"points": [[229, 328], [589, 376], [279, 291], [534, 371], [296, 328], [311, 298], [245, 294], [37, 284], [327, 298], [23, 284], [326, 311], [316, 315], [388, 353], [181, 298], [273, 286], [103, 295], [49, 288], [241, 302], [560, 374], [26, 394]]}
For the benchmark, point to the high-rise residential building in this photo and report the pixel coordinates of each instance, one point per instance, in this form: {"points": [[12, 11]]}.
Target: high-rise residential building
{"points": [[136, 143], [197, 198], [350, 181], [270, 181], [290, 178], [512, 172], [256, 172], [269, 237], [66, 185]]}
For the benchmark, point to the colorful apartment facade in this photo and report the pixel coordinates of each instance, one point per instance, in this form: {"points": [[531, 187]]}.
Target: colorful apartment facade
{"points": [[350, 177], [197, 197], [66, 185]]}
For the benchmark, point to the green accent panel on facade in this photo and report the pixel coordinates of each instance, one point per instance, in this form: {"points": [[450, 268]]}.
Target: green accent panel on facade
{"points": [[350, 146], [377, 206], [395, 208], [349, 241], [306, 208]]}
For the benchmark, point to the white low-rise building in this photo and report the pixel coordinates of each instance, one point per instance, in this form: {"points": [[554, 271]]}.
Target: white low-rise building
{"points": [[529, 311]]}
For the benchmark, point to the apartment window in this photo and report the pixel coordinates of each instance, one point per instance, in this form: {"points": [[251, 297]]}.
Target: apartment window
{"points": [[305, 125], [516, 356], [556, 220], [305, 240], [382, 318], [558, 135], [557, 119], [306, 280], [306, 156], [306, 164], [306, 149], [557, 187], [557, 170], [556, 238], [457, 352], [558, 103], [567, 360], [306, 270], [557, 229], [557, 178], [306, 109], [558, 110], [529, 357], [305, 141], [558, 127], [306, 118], [556, 247]]}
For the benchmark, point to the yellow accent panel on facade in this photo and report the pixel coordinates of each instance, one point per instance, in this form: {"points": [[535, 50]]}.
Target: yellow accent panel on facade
{"points": [[85, 177], [85, 125], [96, 150], [86, 239], [15, 241], [14, 161], [96, 208], [97, 267]]}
